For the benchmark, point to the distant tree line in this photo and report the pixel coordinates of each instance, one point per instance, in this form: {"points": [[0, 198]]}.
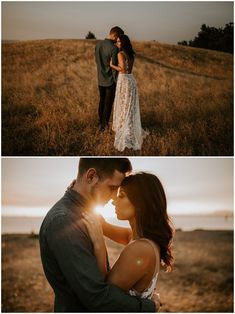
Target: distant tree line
{"points": [[213, 38], [90, 35]]}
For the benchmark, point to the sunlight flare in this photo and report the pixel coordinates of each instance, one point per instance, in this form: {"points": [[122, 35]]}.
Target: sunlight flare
{"points": [[107, 211], [98, 209]]}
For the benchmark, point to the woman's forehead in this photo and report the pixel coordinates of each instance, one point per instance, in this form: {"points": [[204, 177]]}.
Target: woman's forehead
{"points": [[121, 189]]}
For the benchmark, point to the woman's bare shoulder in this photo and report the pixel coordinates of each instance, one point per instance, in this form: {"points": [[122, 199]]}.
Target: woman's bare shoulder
{"points": [[140, 249], [133, 264], [121, 54]]}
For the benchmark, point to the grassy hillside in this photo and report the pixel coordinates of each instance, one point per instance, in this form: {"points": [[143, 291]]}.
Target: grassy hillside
{"points": [[50, 100]]}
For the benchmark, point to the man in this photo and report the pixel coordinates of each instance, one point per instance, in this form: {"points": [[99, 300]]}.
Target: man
{"points": [[106, 50], [66, 248]]}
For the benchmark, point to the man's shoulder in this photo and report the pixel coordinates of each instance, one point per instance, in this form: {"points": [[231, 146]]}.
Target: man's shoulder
{"points": [[60, 223], [106, 43], [57, 214]]}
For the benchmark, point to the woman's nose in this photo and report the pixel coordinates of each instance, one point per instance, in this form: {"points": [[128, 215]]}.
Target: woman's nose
{"points": [[115, 200]]}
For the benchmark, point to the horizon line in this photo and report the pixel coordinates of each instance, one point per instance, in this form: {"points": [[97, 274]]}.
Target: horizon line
{"points": [[221, 213]]}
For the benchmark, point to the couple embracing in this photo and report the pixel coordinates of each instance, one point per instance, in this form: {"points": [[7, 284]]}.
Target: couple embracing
{"points": [[115, 59], [73, 251]]}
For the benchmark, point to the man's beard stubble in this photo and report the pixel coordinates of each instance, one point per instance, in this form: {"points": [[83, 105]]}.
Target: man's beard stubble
{"points": [[95, 196]]}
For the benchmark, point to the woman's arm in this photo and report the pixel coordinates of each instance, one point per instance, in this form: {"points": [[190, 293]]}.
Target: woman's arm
{"points": [[121, 63], [118, 234], [132, 265]]}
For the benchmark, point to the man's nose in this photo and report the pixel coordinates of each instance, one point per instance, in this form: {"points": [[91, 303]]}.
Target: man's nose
{"points": [[114, 195]]}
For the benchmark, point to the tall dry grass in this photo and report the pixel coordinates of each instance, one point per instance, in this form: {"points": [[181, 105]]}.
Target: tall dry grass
{"points": [[202, 279], [50, 100]]}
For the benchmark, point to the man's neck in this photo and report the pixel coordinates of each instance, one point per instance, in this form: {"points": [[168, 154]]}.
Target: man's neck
{"points": [[110, 38], [78, 188]]}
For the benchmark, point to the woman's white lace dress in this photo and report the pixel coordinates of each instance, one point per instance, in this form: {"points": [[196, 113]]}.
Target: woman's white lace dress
{"points": [[126, 115]]}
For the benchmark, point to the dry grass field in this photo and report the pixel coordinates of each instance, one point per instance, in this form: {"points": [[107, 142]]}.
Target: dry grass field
{"points": [[202, 280], [50, 100]]}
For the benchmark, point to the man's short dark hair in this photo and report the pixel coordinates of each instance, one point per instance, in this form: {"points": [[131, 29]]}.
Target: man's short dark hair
{"points": [[116, 30], [105, 167]]}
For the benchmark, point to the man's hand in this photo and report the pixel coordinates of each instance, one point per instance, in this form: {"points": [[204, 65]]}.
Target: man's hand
{"points": [[156, 299]]}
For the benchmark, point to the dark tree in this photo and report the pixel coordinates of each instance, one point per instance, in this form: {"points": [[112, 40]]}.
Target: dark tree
{"points": [[213, 38], [183, 43], [229, 37], [90, 35]]}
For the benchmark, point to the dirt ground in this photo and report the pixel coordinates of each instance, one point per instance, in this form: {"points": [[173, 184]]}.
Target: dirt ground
{"points": [[202, 280]]}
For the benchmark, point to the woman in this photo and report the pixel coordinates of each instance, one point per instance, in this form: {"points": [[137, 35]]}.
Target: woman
{"points": [[141, 200], [126, 116]]}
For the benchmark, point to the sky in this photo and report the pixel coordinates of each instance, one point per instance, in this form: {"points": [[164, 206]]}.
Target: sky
{"points": [[163, 21], [30, 186]]}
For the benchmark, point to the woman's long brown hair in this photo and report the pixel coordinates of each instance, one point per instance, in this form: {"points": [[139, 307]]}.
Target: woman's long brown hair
{"points": [[146, 193], [127, 46]]}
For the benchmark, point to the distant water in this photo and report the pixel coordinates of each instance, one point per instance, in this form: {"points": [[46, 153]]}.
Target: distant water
{"points": [[210, 222], [185, 223], [21, 224]]}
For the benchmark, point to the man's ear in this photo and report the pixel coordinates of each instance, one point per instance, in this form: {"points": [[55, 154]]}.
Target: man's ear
{"points": [[91, 176]]}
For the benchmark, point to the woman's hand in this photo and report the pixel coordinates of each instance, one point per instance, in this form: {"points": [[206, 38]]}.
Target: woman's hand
{"points": [[93, 224], [102, 221], [111, 63], [156, 299]]}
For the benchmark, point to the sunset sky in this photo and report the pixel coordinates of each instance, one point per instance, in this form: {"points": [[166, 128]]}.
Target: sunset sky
{"points": [[30, 186], [165, 21]]}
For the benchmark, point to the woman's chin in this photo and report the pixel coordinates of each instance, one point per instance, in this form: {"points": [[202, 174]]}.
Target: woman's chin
{"points": [[119, 217]]}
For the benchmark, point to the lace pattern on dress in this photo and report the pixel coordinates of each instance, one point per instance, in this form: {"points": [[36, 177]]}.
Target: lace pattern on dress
{"points": [[147, 293], [126, 115]]}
